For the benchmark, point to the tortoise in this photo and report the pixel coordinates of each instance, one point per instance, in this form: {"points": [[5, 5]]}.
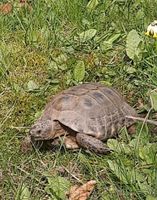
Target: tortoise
{"points": [[90, 113]]}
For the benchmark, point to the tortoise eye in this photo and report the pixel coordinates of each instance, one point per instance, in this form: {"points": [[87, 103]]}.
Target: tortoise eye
{"points": [[39, 131]]}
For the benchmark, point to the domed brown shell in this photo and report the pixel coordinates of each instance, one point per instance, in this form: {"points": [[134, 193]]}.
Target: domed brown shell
{"points": [[92, 109]]}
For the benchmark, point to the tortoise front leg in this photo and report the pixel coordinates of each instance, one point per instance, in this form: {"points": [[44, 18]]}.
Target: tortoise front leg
{"points": [[91, 143]]}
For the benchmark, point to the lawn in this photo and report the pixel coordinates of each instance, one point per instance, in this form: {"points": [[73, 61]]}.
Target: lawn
{"points": [[49, 45]]}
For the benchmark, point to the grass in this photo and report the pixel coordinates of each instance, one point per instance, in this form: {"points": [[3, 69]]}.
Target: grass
{"points": [[39, 51]]}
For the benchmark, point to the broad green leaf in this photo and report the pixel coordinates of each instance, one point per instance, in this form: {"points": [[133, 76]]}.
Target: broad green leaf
{"points": [[132, 42], [144, 187], [87, 35], [149, 197], [140, 14], [79, 71], [45, 33], [107, 44], [139, 175], [57, 187], [31, 85], [25, 193], [112, 144], [130, 70], [92, 5], [114, 37], [62, 67], [85, 22], [118, 147], [33, 35], [148, 153], [119, 171], [52, 65], [61, 59], [16, 87], [153, 98], [107, 83], [125, 172]]}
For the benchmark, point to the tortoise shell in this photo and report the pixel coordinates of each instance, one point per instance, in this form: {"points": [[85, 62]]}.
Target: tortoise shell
{"points": [[90, 108]]}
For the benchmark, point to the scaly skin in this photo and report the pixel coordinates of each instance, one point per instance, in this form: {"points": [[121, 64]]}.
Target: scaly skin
{"points": [[91, 143]]}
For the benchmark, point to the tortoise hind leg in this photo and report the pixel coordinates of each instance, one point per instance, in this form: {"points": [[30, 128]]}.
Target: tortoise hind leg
{"points": [[91, 143]]}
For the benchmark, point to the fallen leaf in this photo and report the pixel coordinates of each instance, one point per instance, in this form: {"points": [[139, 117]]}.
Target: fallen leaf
{"points": [[6, 8], [132, 129], [24, 3], [25, 193], [82, 192]]}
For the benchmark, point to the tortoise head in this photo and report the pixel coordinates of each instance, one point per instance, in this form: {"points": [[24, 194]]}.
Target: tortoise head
{"points": [[43, 130]]}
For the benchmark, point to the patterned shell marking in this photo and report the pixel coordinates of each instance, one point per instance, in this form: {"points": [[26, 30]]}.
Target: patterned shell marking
{"points": [[92, 109]]}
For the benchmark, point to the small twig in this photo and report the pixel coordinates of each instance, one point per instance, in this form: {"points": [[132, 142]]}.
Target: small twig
{"points": [[72, 175], [143, 119], [20, 127]]}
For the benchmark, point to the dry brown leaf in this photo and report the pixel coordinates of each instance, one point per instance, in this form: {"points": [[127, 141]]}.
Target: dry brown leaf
{"points": [[6, 8], [82, 192], [132, 129], [24, 3]]}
